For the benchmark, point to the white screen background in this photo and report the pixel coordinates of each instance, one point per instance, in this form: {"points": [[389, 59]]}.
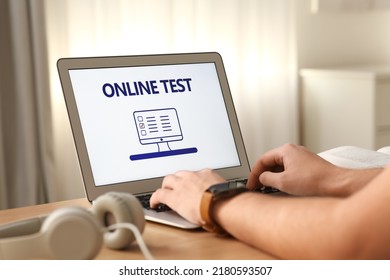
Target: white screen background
{"points": [[111, 135]]}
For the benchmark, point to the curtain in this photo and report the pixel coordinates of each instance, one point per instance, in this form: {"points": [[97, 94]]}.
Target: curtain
{"points": [[26, 154], [255, 38]]}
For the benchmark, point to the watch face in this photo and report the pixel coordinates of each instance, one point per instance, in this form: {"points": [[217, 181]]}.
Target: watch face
{"points": [[227, 188]]}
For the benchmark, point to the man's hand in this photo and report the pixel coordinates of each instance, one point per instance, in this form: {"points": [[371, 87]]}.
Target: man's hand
{"points": [[294, 170]]}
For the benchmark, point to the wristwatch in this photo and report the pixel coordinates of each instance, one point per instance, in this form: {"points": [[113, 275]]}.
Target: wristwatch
{"points": [[210, 196]]}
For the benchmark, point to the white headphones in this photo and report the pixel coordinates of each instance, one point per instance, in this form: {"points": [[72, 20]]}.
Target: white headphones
{"points": [[75, 232]]}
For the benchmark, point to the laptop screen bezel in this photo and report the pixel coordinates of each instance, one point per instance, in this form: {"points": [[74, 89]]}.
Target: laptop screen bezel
{"points": [[64, 65]]}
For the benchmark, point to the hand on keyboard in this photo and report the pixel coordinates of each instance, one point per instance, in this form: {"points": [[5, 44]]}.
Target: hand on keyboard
{"points": [[144, 199]]}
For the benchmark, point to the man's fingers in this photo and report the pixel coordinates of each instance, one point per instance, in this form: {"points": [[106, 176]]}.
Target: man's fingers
{"points": [[159, 196]]}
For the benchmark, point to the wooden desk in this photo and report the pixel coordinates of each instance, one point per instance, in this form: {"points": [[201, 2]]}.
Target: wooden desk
{"points": [[164, 242]]}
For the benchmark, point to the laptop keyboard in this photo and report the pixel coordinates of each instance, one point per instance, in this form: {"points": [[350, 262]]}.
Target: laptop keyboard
{"points": [[144, 199]]}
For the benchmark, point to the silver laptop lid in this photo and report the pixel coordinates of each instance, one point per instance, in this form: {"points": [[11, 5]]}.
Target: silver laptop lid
{"points": [[136, 119]]}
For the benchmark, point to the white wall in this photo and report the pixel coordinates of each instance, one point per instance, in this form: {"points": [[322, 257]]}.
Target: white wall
{"points": [[340, 37]]}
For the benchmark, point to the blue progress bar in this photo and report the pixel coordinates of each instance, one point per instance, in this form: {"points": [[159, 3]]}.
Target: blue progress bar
{"points": [[164, 154]]}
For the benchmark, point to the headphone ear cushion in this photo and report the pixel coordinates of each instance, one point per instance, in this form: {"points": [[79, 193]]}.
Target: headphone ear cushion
{"points": [[115, 207], [72, 233]]}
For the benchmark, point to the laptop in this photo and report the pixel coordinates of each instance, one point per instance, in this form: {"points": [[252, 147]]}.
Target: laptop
{"points": [[136, 119]]}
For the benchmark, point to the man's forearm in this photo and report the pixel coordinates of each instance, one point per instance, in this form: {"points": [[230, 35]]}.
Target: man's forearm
{"points": [[291, 227], [286, 227], [345, 182]]}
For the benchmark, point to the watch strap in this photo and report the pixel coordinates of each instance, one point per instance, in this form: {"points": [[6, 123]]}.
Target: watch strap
{"points": [[206, 209], [212, 194]]}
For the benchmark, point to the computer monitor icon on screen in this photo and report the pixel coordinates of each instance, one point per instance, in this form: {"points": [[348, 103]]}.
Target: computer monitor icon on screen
{"points": [[159, 127]]}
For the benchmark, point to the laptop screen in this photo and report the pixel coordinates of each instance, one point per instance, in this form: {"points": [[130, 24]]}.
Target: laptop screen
{"points": [[149, 121], [136, 119]]}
